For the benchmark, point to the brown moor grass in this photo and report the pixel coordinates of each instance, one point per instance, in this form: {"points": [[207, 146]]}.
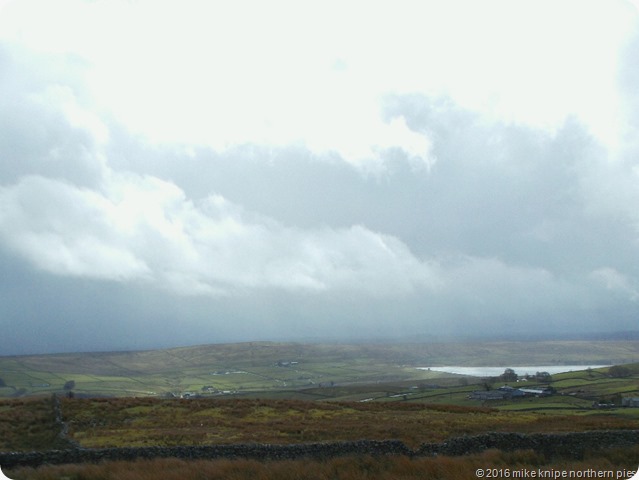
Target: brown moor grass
{"points": [[344, 468], [145, 421], [28, 424]]}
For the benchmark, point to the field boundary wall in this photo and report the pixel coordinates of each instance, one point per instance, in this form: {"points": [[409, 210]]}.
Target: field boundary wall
{"points": [[566, 445]]}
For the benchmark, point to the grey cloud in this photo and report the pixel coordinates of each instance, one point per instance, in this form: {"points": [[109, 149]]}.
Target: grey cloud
{"points": [[143, 228], [52, 313], [36, 134], [628, 79], [119, 243], [496, 190], [62, 229], [519, 194]]}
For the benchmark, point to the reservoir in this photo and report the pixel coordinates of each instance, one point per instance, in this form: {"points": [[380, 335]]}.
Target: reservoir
{"points": [[524, 370]]}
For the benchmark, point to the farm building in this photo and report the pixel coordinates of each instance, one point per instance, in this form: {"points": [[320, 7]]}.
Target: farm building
{"points": [[630, 402], [507, 392], [489, 395], [539, 392]]}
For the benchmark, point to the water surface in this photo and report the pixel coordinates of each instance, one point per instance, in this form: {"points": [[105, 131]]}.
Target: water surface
{"points": [[521, 371]]}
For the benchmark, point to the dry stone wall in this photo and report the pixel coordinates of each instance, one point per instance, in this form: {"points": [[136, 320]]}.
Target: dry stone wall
{"points": [[569, 445]]}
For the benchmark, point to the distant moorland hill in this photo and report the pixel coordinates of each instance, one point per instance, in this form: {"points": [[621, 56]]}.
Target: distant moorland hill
{"points": [[270, 367]]}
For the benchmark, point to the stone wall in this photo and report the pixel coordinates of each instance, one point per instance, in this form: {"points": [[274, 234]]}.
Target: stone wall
{"points": [[62, 440], [569, 445]]}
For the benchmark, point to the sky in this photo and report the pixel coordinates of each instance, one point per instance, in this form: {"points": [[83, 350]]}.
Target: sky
{"points": [[179, 173]]}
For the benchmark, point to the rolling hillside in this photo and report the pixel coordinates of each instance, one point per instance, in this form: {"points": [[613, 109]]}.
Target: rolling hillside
{"points": [[283, 368]]}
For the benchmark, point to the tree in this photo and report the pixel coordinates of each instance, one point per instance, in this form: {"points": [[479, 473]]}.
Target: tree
{"points": [[70, 385], [509, 375], [487, 383], [544, 377], [619, 371]]}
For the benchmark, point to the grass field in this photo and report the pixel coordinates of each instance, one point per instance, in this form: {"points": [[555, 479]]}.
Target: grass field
{"points": [[287, 370]]}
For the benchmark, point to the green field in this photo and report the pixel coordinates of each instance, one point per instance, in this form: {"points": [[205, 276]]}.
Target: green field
{"points": [[303, 371]]}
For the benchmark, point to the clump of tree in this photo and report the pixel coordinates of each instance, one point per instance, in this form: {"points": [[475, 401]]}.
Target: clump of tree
{"points": [[619, 371], [544, 377], [487, 383], [70, 385], [509, 375]]}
